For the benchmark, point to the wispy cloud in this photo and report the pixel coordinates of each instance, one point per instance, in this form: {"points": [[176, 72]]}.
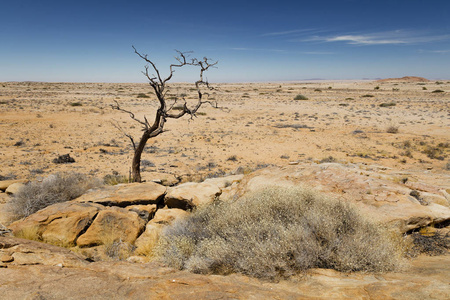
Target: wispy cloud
{"points": [[435, 51], [256, 49], [282, 51], [287, 32], [396, 37], [318, 53]]}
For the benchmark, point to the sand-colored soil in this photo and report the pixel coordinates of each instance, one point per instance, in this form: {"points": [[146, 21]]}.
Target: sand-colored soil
{"points": [[258, 124]]}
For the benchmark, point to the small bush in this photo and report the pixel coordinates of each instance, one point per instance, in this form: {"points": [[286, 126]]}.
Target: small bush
{"points": [[388, 104], [142, 95], [329, 159], [57, 188], [118, 250], [367, 96], [434, 153], [64, 159], [232, 158], [76, 104], [275, 233], [114, 179], [300, 97], [392, 129], [438, 91]]}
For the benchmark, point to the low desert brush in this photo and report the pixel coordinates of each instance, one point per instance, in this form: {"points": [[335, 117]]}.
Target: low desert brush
{"points": [[278, 232], [300, 97], [29, 233], [56, 188], [118, 250]]}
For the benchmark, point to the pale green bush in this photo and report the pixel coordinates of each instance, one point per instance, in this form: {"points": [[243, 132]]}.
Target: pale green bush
{"points": [[277, 232]]}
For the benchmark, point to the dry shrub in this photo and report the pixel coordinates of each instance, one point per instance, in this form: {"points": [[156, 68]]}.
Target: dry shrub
{"points": [[56, 188], [118, 250], [277, 232], [300, 97], [114, 179], [29, 233], [436, 244], [392, 129]]}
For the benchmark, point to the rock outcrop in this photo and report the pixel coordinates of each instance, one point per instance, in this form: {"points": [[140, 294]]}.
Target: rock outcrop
{"points": [[163, 217], [191, 194], [133, 214], [4, 184], [382, 197], [14, 188], [60, 223], [34, 270], [405, 79], [112, 223], [19, 252], [125, 194]]}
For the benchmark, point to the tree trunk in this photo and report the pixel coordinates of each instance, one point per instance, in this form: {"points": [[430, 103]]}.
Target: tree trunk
{"points": [[136, 164]]}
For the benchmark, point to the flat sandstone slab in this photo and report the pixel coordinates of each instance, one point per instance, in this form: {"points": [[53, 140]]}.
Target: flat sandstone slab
{"points": [[125, 194]]}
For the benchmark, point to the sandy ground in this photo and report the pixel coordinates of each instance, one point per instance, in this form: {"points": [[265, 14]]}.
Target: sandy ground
{"points": [[258, 124]]}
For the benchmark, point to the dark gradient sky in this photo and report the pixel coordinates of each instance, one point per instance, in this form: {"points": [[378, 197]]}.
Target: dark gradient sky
{"points": [[90, 41]]}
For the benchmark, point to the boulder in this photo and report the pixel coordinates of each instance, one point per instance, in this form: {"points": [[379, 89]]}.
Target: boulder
{"points": [[381, 197], [125, 194], [60, 223], [4, 184], [191, 194], [14, 188], [165, 179], [111, 224], [166, 216], [146, 212], [15, 251], [223, 182], [163, 217]]}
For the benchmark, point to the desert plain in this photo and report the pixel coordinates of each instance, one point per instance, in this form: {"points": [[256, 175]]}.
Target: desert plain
{"points": [[396, 130], [399, 124]]}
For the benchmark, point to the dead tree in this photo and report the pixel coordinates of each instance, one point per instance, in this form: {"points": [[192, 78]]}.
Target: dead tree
{"points": [[165, 110]]}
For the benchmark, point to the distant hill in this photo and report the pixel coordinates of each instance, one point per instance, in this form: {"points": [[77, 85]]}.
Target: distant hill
{"points": [[405, 79]]}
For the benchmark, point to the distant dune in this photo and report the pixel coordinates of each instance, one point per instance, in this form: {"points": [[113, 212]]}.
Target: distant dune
{"points": [[405, 79]]}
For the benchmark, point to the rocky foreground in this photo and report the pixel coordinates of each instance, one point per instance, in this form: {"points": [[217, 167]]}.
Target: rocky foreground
{"points": [[35, 271], [136, 213]]}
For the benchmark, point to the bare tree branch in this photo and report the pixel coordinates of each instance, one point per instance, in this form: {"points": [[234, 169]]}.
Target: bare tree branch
{"points": [[164, 110], [118, 127], [132, 116]]}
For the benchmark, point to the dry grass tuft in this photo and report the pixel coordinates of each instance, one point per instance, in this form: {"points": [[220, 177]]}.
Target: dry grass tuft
{"points": [[114, 179], [392, 129], [56, 188], [118, 250], [29, 233], [278, 232]]}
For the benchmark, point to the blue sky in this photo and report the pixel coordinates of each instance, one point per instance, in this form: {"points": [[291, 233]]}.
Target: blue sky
{"points": [[90, 41]]}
